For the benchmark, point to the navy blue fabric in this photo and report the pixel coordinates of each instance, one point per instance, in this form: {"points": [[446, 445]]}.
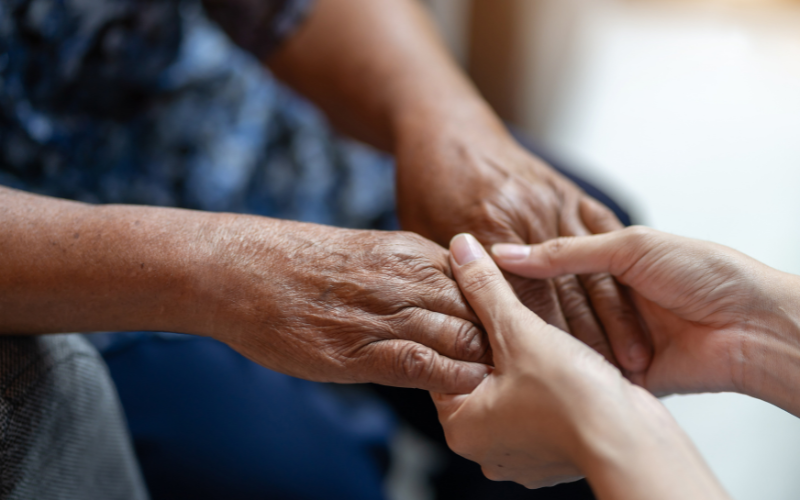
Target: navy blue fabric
{"points": [[209, 424]]}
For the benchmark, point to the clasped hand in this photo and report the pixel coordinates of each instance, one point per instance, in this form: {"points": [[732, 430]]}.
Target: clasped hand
{"points": [[553, 408], [345, 306]]}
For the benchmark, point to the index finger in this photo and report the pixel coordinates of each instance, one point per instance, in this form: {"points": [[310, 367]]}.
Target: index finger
{"points": [[601, 253]]}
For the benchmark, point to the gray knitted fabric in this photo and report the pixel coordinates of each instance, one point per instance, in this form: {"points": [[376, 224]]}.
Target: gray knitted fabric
{"points": [[62, 430]]}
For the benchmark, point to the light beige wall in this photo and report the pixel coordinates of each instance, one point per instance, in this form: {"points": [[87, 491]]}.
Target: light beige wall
{"points": [[520, 52], [453, 19]]}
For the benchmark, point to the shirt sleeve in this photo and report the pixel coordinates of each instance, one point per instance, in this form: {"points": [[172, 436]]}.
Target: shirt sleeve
{"points": [[258, 26]]}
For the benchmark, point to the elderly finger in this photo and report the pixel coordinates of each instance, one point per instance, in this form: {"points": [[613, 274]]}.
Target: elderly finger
{"points": [[597, 217], [629, 342], [440, 294], [403, 363], [595, 258], [449, 336], [541, 297], [581, 318]]}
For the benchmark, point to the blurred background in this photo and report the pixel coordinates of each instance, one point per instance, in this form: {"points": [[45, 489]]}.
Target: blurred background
{"points": [[688, 112]]}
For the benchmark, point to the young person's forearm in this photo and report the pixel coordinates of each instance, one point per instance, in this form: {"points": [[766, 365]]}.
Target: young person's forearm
{"points": [[647, 456], [378, 69], [74, 267], [771, 351]]}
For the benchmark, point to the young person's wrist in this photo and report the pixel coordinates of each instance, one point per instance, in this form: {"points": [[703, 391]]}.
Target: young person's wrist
{"points": [[771, 353], [644, 454]]}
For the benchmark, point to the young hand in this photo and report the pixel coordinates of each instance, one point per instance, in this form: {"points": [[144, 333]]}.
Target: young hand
{"points": [[553, 409], [715, 317]]}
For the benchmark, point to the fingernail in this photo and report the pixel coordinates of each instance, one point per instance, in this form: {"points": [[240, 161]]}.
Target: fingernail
{"points": [[511, 253], [465, 249], [638, 354]]}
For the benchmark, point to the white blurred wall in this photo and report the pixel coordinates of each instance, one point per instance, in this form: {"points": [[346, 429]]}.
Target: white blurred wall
{"points": [[689, 113]]}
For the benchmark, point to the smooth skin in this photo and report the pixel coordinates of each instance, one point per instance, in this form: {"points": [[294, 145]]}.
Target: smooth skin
{"points": [[718, 320], [554, 410], [319, 302]]}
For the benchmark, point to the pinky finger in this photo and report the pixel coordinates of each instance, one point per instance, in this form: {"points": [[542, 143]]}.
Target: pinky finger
{"points": [[403, 363]]}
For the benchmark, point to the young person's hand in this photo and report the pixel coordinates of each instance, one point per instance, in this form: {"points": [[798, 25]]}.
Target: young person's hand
{"points": [[717, 319], [554, 410]]}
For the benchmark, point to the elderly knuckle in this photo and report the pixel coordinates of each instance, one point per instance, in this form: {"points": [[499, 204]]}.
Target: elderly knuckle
{"points": [[538, 295], [415, 362], [470, 344], [570, 289], [599, 285], [573, 300], [606, 296]]}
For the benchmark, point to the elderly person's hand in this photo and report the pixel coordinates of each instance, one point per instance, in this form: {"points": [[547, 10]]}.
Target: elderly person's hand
{"points": [[470, 175], [553, 409], [718, 320], [312, 301], [346, 306], [381, 74]]}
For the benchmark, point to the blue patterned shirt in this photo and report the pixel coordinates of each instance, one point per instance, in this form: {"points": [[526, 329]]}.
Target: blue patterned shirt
{"points": [[156, 102]]}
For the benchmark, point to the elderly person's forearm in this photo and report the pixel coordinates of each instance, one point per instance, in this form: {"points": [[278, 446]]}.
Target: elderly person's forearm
{"points": [[312, 301], [70, 266], [379, 70]]}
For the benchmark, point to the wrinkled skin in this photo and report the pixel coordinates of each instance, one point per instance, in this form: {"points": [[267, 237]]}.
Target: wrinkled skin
{"points": [[347, 306], [700, 301], [487, 185]]}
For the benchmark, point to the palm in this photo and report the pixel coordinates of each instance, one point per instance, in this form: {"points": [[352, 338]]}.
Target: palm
{"points": [[694, 338]]}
